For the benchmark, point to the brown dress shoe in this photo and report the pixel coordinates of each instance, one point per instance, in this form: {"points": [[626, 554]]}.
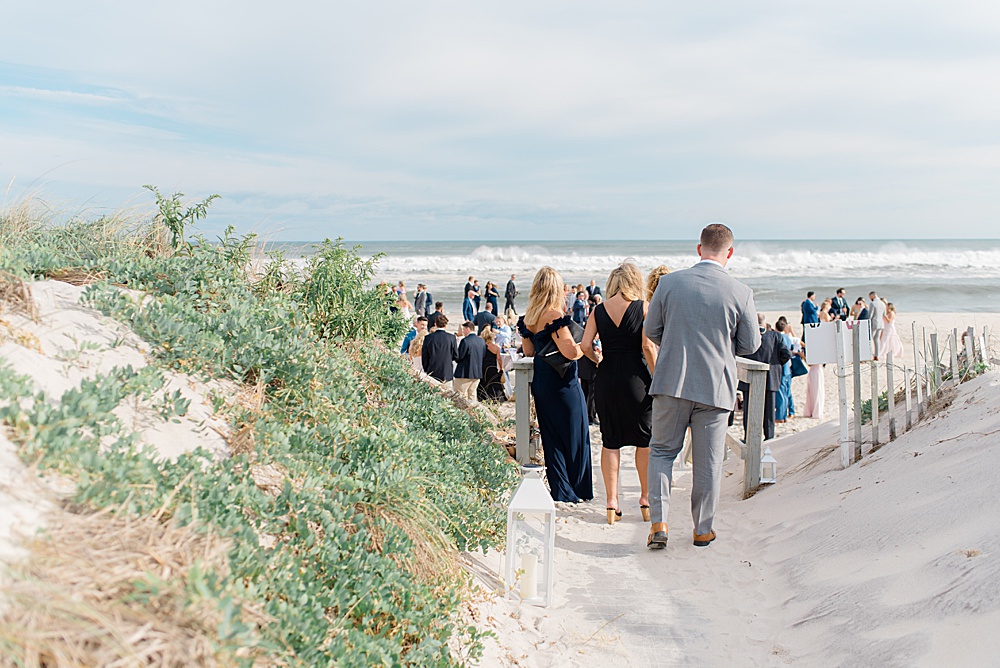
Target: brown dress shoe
{"points": [[657, 536], [703, 539]]}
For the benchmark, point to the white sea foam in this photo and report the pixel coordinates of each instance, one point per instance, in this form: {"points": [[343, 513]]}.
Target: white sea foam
{"points": [[750, 261]]}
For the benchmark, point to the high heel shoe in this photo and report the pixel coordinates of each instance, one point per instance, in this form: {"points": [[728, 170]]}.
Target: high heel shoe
{"points": [[645, 513], [614, 515]]}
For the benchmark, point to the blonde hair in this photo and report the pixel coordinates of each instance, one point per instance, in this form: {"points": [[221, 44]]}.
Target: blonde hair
{"points": [[654, 279], [626, 279], [546, 295], [417, 344], [890, 307], [488, 336]]}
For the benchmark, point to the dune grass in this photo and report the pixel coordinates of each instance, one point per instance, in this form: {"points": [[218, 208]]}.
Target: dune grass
{"points": [[351, 486]]}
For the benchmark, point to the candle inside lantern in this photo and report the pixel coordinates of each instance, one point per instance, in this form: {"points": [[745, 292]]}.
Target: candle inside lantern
{"points": [[529, 578]]}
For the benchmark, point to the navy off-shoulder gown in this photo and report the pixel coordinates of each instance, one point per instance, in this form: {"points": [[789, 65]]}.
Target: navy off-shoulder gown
{"points": [[562, 421]]}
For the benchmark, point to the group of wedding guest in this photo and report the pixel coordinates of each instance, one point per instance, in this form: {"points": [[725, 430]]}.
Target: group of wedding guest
{"points": [[646, 396], [879, 312], [469, 362]]}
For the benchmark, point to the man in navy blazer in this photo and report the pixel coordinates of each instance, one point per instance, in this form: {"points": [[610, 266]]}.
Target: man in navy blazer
{"points": [[440, 352], [469, 370]]}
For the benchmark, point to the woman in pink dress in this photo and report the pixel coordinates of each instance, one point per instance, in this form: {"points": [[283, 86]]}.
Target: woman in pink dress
{"points": [[815, 382], [890, 340]]}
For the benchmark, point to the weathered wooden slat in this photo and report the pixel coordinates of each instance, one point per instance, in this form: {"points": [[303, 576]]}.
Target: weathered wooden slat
{"points": [[891, 391], [856, 355]]}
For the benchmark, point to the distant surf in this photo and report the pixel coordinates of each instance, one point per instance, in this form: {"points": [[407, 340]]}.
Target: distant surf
{"points": [[919, 275]]}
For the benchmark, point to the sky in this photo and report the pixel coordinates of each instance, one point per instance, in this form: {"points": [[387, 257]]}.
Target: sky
{"points": [[517, 120]]}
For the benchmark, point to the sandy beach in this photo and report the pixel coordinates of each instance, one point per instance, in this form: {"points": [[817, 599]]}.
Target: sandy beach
{"points": [[889, 562]]}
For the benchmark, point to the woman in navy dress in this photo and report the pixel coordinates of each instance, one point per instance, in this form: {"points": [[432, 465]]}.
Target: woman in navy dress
{"points": [[493, 297], [559, 401]]}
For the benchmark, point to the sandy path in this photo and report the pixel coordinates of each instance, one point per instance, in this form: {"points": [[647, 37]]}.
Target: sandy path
{"points": [[865, 566]]}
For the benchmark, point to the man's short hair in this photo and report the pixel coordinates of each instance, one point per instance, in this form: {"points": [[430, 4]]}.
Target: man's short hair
{"points": [[840, 290], [439, 305], [469, 325], [809, 294], [422, 318], [859, 300], [716, 238], [489, 306], [780, 324], [872, 295], [441, 321]]}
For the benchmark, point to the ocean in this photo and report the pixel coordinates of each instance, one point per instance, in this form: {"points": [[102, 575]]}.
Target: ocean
{"points": [[916, 275]]}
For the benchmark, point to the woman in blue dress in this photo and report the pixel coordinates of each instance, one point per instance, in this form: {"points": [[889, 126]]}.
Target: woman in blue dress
{"points": [[559, 401], [493, 297]]}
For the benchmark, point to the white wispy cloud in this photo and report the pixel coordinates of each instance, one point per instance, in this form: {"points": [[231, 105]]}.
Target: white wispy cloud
{"points": [[794, 119]]}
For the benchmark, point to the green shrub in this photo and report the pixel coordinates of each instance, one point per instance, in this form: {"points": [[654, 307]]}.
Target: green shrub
{"points": [[382, 476]]}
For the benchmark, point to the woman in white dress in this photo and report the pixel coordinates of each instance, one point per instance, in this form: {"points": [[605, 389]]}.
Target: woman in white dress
{"points": [[890, 341], [815, 382]]}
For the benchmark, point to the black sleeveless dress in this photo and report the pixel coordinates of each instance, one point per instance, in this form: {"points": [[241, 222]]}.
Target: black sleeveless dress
{"points": [[622, 385]]}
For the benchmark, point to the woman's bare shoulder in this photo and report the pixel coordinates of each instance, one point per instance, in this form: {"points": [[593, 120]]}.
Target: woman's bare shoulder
{"points": [[546, 319]]}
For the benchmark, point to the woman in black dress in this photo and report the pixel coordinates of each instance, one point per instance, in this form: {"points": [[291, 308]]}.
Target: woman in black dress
{"points": [[626, 362], [492, 386], [559, 402]]}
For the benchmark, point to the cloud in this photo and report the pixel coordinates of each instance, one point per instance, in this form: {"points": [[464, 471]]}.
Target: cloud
{"points": [[562, 118]]}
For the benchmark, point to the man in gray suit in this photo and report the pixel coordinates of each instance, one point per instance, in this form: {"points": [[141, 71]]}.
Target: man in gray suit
{"points": [[701, 318], [875, 314]]}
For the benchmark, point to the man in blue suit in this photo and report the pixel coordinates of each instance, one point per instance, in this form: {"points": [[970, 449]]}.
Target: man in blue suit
{"points": [[810, 311]]}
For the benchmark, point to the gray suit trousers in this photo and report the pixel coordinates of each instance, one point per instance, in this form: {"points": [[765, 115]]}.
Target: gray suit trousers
{"points": [[671, 419]]}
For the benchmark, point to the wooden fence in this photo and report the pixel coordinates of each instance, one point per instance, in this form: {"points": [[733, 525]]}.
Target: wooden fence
{"points": [[937, 366]]}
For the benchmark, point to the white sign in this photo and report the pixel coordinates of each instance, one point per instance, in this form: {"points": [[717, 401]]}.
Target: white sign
{"points": [[821, 341]]}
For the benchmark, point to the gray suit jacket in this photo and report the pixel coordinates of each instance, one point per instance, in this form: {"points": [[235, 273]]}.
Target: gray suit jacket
{"points": [[702, 318], [875, 313]]}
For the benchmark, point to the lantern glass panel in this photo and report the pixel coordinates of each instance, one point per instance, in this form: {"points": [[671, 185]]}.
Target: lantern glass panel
{"points": [[529, 555]]}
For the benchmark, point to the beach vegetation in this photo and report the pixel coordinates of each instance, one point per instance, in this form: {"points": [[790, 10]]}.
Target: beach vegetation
{"points": [[175, 216], [351, 486]]}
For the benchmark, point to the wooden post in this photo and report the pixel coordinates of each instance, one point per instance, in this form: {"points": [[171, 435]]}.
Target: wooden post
{"points": [[970, 352], [906, 386], [754, 373], [936, 371], [916, 370], [875, 403], [856, 356], [955, 373], [524, 372], [982, 350], [845, 439], [891, 392], [986, 344], [755, 432], [927, 365]]}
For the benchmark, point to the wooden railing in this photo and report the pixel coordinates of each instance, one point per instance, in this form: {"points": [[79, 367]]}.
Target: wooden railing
{"points": [[755, 375], [749, 371]]}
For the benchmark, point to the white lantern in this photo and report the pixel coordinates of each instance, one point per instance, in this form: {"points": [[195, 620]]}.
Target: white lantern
{"points": [[768, 468], [531, 539]]}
